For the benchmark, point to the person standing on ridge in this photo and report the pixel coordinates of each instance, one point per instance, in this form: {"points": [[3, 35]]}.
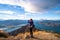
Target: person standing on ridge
{"points": [[31, 27]]}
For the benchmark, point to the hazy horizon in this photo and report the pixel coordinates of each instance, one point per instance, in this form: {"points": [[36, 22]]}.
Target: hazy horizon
{"points": [[22, 19]]}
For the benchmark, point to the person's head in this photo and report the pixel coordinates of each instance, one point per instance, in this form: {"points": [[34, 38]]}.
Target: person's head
{"points": [[30, 19]]}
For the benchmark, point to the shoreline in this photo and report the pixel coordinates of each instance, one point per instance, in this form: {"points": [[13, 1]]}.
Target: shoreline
{"points": [[39, 34]]}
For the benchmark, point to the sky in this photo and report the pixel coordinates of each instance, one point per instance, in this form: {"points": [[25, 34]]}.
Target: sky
{"points": [[26, 9]]}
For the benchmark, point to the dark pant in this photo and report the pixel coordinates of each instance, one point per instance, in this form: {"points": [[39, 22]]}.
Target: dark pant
{"points": [[31, 32]]}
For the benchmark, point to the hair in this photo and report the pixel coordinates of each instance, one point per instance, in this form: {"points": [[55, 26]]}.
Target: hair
{"points": [[30, 19]]}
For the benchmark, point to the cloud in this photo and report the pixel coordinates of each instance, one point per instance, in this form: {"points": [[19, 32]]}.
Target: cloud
{"points": [[40, 5], [6, 12], [34, 6], [12, 2], [6, 17], [57, 12]]}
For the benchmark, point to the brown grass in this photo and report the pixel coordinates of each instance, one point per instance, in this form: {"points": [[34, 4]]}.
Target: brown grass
{"points": [[38, 35]]}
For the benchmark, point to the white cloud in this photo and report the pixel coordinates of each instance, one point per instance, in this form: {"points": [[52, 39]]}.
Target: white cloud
{"points": [[7, 12], [34, 6], [6, 17], [12, 2], [25, 16], [30, 6], [57, 11]]}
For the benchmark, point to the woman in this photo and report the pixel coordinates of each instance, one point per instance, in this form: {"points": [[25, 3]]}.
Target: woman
{"points": [[31, 27]]}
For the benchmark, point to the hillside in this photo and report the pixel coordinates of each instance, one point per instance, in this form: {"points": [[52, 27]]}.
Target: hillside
{"points": [[53, 23], [5, 23], [38, 35]]}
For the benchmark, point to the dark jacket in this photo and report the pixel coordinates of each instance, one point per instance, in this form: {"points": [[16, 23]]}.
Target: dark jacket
{"points": [[31, 23]]}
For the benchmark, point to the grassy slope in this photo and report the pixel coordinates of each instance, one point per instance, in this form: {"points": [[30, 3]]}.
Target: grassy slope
{"points": [[38, 35]]}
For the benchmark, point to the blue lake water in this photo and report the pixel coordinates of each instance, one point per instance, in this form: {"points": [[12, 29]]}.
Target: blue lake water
{"points": [[47, 28], [37, 25]]}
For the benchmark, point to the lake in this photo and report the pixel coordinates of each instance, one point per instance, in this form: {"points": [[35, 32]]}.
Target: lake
{"points": [[38, 26], [47, 28]]}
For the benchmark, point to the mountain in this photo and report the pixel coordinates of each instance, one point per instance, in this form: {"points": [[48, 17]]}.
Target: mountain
{"points": [[50, 22], [12, 22]]}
